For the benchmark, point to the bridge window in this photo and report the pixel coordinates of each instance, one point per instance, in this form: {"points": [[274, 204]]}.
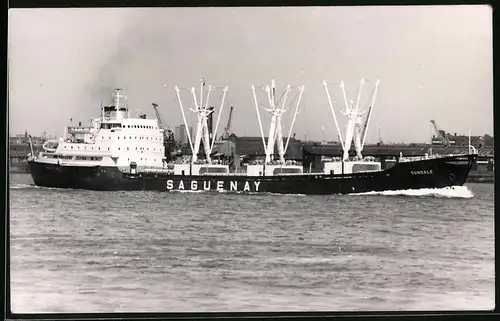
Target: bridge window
{"points": [[127, 148], [108, 148]]}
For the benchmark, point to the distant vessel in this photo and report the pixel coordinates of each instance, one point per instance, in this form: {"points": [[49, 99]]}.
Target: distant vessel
{"points": [[122, 153]]}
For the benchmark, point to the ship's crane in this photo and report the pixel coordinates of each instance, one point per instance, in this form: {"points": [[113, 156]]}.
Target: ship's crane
{"points": [[225, 134], [168, 135], [441, 135]]}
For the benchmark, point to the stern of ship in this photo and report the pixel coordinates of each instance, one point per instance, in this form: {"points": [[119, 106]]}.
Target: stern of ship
{"points": [[103, 178]]}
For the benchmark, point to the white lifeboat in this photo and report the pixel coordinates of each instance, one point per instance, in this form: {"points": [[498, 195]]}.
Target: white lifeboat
{"points": [[50, 145]]}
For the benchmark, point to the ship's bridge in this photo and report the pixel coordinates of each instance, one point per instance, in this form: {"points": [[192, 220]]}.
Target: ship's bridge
{"points": [[134, 123]]}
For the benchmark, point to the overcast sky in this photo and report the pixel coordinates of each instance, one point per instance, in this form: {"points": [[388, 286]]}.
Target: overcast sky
{"points": [[433, 63]]}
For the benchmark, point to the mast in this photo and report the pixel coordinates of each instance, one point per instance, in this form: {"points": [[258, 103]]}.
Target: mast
{"points": [[351, 114], [203, 111], [325, 85], [276, 129], [356, 129], [365, 129]]}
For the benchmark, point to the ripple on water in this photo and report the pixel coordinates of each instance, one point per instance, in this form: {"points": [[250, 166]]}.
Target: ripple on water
{"points": [[123, 251]]}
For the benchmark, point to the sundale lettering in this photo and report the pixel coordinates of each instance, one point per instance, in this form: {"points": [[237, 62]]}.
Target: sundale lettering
{"points": [[194, 185], [422, 172]]}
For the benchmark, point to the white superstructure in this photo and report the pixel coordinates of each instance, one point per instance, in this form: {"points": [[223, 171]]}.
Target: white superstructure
{"points": [[114, 139]]}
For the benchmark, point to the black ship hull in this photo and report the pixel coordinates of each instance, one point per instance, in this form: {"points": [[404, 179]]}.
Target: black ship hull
{"points": [[430, 173]]}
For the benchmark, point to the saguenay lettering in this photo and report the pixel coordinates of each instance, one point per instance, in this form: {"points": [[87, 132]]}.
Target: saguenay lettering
{"points": [[195, 185]]}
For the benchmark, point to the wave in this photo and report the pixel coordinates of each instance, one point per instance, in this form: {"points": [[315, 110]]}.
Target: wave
{"points": [[446, 192], [23, 186]]}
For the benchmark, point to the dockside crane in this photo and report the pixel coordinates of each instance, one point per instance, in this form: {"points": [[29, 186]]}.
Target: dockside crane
{"points": [[168, 136], [441, 135], [225, 133]]}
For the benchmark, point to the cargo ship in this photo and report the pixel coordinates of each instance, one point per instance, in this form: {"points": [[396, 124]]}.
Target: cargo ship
{"points": [[118, 152]]}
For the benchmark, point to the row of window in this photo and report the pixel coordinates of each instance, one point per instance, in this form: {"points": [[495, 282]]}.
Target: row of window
{"points": [[141, 159], [130, 137], [140, 126], [93, 158], [109, 126], [88, 158], [142, 148], [128, 148]]}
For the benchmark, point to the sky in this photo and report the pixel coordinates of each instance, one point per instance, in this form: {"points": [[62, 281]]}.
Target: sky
{"points": [[433, 62]]}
